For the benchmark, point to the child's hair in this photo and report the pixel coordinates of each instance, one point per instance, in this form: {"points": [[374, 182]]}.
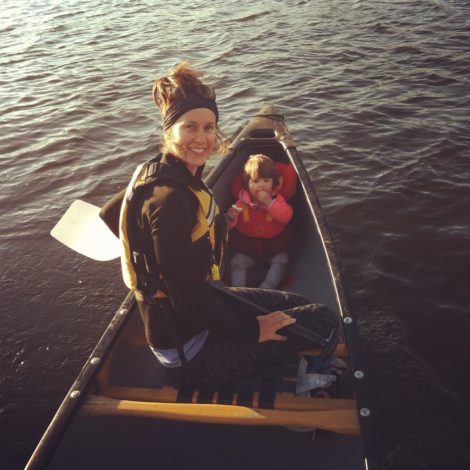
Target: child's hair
{"points": [[260, 166], [178, 83]]}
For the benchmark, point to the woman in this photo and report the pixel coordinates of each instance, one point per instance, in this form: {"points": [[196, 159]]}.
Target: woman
{"points": [[172, 235]]}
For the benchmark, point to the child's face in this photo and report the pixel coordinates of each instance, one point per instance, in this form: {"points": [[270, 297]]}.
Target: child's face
{"points": [[258, 184]]}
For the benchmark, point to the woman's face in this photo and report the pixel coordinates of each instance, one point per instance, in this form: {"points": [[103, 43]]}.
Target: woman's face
{"points": [[193, 137]]}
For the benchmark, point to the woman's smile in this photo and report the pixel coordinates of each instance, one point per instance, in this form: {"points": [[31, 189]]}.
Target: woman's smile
{"points": [[193, 137]]}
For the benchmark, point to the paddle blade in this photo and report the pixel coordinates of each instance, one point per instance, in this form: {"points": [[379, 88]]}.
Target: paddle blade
{"points": [[82, 230]]}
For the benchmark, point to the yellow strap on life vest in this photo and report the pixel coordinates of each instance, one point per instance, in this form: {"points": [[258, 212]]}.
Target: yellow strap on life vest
{"points": [[246, 214], [205, 216], [207, 211], [215, 272]]}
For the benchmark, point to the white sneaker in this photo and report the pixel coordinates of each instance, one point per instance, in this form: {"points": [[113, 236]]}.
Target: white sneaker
{"points": [[338, 367], [306, 382]]}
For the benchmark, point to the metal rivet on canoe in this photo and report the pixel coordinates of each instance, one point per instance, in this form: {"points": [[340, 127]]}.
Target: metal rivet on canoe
{"points": [[95, 360], [348, 320], [75, 394], [364, 412], [359, 374], [123, 311]]}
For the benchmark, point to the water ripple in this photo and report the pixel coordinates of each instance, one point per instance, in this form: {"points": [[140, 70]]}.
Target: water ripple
{"points": [[377, 97]]}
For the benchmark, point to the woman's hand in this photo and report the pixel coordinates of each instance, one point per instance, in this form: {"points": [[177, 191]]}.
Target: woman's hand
{"points": [[269, 324]]}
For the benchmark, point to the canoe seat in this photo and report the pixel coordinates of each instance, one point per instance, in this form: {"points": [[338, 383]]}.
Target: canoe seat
{"points": [[131, 382], [266, 399], [134, 373]]}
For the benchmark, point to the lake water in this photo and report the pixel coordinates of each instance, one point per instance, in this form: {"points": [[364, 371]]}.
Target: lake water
{"points": [[377, 97]]}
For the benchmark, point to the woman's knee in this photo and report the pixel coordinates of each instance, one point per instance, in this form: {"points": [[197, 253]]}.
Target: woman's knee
{"points": [[318, 317]]}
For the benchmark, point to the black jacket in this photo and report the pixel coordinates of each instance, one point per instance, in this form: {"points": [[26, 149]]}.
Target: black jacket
{"points": [[165, 220]]}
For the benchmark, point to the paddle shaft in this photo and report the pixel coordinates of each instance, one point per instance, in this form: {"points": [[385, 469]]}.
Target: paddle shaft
{"points": [[296, 329]]}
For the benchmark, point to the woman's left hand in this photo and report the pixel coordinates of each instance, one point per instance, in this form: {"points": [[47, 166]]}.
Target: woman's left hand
{"points": [[271, 323]]}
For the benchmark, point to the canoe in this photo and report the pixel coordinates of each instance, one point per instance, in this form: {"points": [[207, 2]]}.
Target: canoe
{"points": [[123, 412]]}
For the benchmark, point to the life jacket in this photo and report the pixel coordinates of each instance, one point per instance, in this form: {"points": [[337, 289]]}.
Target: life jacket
{"points": [[257, 234], [139, 267]]}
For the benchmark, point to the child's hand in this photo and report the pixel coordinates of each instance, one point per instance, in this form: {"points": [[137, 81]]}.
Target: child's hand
{"points": [[264, 197], [232, 216]]}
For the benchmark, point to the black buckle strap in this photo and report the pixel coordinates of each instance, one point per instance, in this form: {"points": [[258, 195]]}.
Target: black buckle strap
{"points": [[152, 169]]}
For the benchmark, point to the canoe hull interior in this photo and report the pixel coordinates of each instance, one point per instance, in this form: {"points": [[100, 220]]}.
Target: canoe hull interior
{"points": [[309, 270], [127, 435]]}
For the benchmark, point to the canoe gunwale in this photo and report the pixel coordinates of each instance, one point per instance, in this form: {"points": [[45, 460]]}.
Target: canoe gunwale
{"points": [[361, 382]]}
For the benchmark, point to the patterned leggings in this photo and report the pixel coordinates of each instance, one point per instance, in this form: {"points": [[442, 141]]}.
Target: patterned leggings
{"points": [[221, 360]]}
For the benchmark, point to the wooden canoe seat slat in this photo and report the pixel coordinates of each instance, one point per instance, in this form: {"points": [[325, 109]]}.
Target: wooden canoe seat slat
{"points": [[283, 401], [340, 420]]}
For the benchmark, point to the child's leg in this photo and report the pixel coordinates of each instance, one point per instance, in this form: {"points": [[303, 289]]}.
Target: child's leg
{"points": [[239, 266], [277, 268]]}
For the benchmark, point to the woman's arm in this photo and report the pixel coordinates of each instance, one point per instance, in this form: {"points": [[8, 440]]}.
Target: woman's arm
{"points": [[185, 269]]}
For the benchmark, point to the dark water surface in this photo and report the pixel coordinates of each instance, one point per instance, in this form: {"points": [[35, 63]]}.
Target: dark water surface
{"points": [[377, 96]]}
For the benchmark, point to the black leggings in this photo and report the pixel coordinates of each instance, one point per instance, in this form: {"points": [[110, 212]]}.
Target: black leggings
{"points": [[221, 359]]}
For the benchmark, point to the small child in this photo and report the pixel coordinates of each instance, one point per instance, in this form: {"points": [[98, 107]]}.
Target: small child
{"points": [[259, 219]]}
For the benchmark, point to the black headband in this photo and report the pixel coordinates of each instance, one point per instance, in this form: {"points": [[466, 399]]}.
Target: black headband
{"points": [[179, 107]]}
